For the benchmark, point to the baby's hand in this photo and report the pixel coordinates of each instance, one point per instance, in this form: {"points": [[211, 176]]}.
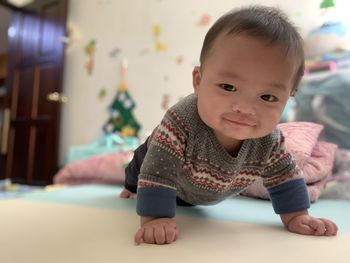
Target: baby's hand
{"points": [[307, 225], [158, 231], [127, 194]]}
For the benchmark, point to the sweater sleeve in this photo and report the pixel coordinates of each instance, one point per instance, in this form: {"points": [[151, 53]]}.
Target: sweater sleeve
{"points": [[284, 180], [162, 164]]}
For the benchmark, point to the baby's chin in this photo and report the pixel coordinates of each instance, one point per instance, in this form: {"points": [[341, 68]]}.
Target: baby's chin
{"points": [[253, 135]]}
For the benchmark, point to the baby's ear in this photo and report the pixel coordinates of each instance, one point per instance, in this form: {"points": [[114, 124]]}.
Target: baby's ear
{"points": [[196, 78]]}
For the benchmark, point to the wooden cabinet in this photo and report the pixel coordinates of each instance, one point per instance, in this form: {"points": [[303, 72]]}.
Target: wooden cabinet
{"points": [[3, 91], [3, 66], [36, 55], [3, 74]]}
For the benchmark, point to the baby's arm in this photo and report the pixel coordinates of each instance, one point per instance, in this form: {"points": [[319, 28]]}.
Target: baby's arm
{"points": [[288, 193], [302, 223], [158, 231], [157, 182]]}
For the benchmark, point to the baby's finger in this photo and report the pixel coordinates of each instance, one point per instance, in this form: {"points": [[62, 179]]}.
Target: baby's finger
{"points": [[176, 235], [331, 227], [301, 229], [159, 235], [148, 236], [318, 226], [138, 238], [170, 234]]}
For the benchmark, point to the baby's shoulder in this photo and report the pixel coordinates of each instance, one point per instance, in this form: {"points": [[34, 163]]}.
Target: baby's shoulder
{"points": [[184, 113], [186, 106]]}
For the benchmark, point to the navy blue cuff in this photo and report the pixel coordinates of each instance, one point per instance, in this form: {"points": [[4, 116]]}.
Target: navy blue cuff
{"points": [[289, 197], [156, 202]]}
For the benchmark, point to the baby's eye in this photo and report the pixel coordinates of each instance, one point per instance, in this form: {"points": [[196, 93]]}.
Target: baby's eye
{"points": [[228, 87], [269, 98]]}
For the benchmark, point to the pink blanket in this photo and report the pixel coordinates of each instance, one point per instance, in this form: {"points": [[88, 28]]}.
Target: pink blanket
{"points": [[314, 158]]}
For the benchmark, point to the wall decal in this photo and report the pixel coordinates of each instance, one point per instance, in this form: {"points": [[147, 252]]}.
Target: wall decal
{"points": [[90, 49]]}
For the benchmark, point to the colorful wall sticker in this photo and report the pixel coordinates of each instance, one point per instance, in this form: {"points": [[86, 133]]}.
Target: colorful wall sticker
{"points": [[204, 20], [159, 45], [165, 101], [102, 94], [90, 49], [179, 60], [114, 52]]}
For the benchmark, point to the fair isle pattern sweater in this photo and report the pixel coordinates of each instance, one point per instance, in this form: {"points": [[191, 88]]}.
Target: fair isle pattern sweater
{"points": [[185, 159]]}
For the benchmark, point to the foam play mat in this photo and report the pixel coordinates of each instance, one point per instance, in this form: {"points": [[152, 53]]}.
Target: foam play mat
{"points": [[91, 224]]}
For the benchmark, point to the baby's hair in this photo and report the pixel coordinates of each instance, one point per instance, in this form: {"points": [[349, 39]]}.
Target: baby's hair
{"points": [[269, 23]]}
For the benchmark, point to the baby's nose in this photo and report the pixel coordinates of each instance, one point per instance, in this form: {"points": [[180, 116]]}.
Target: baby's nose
{"points": [[245, 108]]}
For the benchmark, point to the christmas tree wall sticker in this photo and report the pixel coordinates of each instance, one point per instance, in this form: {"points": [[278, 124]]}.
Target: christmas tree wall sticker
{"points": [[327, 4], [121, 117]]}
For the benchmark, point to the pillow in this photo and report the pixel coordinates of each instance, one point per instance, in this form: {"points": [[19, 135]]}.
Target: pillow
{"points": [[318, 169], [300, 139], [101, 169]]}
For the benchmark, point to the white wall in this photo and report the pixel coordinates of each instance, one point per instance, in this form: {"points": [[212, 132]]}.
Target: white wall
{"points": [[127, 24]]}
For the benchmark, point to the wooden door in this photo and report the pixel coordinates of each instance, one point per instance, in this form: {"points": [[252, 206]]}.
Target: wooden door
{"points": [[36, 55]]}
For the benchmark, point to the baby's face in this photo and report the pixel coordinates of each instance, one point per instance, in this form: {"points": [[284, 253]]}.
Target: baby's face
{"points": [[243, 87]]}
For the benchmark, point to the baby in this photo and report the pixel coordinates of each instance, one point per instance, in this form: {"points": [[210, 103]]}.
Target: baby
{"points": [[216, 142]]}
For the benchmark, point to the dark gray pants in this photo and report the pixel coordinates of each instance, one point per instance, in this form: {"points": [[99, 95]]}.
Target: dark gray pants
{"points": [[132, 172]]}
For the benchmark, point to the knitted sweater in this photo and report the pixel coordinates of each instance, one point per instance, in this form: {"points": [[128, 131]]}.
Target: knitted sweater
{"points": [[185, 159]]}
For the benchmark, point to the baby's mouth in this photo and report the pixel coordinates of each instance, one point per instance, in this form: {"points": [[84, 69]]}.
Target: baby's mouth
{"points": [[239, 122]]}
